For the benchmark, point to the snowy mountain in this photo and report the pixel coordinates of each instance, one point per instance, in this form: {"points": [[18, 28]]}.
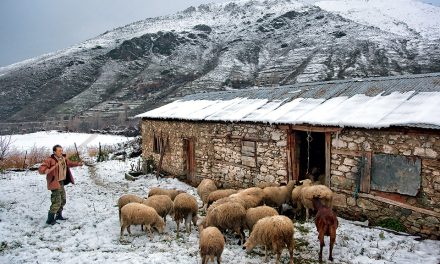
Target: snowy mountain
{"points": [[222, 46]]}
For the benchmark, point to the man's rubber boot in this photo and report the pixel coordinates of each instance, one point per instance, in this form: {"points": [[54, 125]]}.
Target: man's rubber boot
{"points": [[59, 216], [51, 219]]}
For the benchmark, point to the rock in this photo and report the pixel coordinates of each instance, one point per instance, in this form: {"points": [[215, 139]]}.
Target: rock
{"points": [[276, 135], [282, 172], [350, 162], [344, 168], [339, 200]]}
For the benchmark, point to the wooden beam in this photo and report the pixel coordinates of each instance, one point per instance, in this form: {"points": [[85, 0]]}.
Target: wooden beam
{"points": [[289, 155], [295, 158], [366, 180], [392, 202], [315, 128], [241, 138], [347, 152], [328, 142]]}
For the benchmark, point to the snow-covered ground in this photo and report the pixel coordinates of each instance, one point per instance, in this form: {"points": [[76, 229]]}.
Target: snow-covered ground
{"points": [[91, 234], [66, 140]]}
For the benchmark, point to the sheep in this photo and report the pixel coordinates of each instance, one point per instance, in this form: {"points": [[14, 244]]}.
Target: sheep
{"points": [[230, 216], [229, 199], [159, 191], [252, 197], [140, 214], [257, 213], [204, 189], [263, 185], [326, 223], [126, 199], [161, 203], [274, 232], [296, 192], [277, 196], [185, 208], [211, 244], [218, 194], [309, 191]]}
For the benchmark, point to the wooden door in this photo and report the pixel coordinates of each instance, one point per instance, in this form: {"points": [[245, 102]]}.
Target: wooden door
{"points": [[190, 166]]}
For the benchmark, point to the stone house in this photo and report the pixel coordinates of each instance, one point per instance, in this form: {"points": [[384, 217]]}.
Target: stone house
{"points": [[375, 142]]}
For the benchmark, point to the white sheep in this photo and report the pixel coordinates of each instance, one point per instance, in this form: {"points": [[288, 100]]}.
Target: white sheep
{"points": [[231, 216], [263, 185], [161, 203], [211, 244], [257, 213], [219, 194], [277, 196], [309, 191], [296, 192], [275, 232], [126, 199], [204, 189], [252, 197], [185, 208], [140, 214], [160, 191]]}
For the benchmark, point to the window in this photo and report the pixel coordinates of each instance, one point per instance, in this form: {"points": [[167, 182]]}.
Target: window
{"points": [[158, 144], [396, 173], [248, 153]]}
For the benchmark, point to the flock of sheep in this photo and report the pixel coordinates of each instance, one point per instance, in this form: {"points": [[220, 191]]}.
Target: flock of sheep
{"points": [[256, 209]]}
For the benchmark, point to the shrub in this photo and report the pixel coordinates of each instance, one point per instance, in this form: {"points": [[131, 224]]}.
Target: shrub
{"points": [[393, 224]]}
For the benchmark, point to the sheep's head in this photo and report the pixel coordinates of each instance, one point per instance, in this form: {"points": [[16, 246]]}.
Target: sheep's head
{"points": [[160, 226], [249, 245], [306, 182], [194, 220]]}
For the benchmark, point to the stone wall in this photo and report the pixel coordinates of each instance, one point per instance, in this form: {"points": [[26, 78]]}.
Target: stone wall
{"points": [[344, 170], [234, 155]]}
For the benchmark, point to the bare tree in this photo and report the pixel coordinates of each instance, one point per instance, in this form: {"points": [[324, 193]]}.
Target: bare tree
{"points": [[5, 146]]}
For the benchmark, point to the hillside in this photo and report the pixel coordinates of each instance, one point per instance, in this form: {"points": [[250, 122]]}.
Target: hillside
{"points": [[233, 45]]}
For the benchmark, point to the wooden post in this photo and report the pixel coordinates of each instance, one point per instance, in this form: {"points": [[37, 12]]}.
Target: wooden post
{"points": [[162, 145], [24, 161], [328, 140], [366, 179]]}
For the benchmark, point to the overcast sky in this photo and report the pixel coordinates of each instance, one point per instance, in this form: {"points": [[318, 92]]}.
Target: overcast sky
{"points": [[29, 28]]}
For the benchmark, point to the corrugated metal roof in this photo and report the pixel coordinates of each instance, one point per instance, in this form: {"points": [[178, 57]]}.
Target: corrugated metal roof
{"points": [[407, 100]]}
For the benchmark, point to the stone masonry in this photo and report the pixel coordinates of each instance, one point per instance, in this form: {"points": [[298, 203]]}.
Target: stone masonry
{"points": [[244, 154], [219, 151]]}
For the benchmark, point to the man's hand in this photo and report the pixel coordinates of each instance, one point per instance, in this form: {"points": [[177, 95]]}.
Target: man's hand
{"points": [[80, 163]]}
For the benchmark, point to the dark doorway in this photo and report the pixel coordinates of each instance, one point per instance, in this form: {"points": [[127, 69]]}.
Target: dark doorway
{"points": [[190, 161], [310, 155]]}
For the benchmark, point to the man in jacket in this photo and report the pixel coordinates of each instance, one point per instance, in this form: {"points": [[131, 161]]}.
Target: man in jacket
{"points": [[57, 170]]}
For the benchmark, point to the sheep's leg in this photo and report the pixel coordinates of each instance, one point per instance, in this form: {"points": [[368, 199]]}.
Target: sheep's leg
{"points": [[307, 214], [188, 223], [240, 232], [204, 260], [332, 242], [321, 244], [278, 257], [128, 229], [122, 230], [290, 247], [149, 231], [177, 223], [219, 259], [265, 253]]}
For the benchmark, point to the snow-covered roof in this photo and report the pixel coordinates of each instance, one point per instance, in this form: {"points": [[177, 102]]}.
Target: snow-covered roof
{"points": [[407, 100]]}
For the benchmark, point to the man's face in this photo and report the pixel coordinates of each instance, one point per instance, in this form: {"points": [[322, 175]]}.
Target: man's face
{"points": [[59, 151]]}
